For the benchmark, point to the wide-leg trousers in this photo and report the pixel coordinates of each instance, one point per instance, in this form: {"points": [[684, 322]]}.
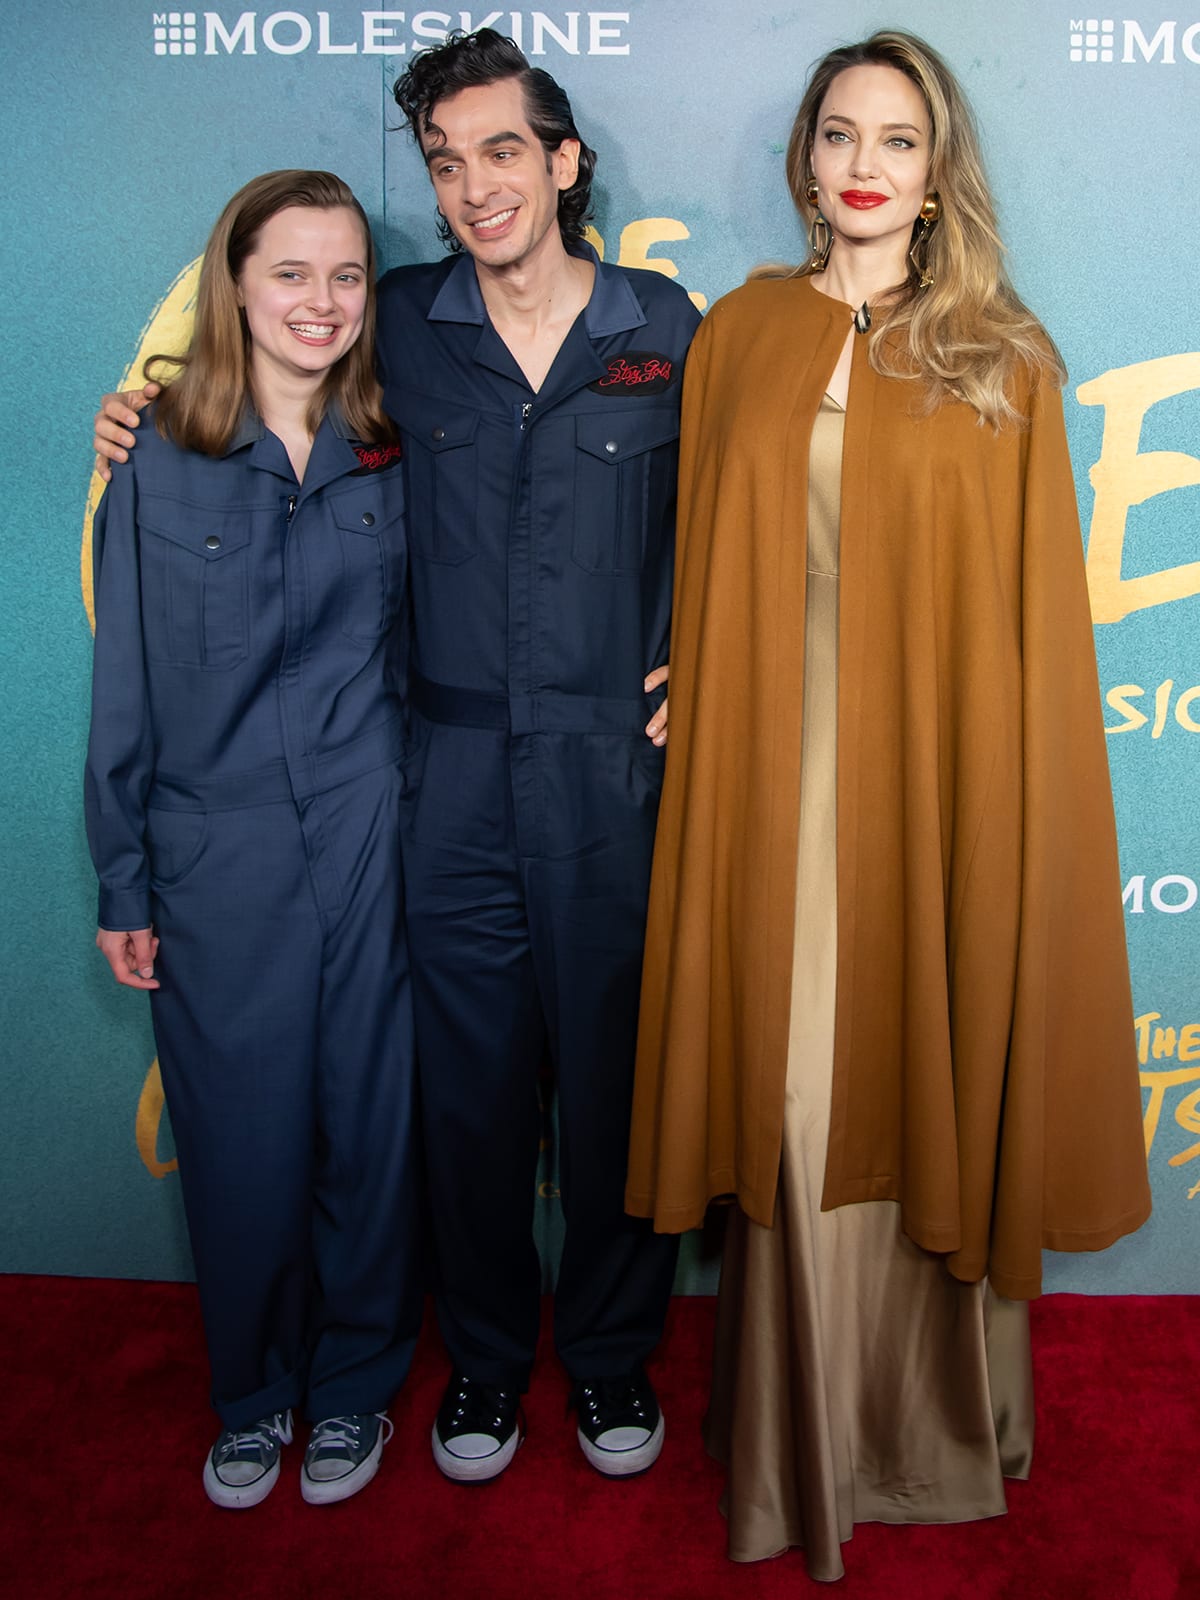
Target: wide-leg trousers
{"points": [[527, 864], [284, 1030]]}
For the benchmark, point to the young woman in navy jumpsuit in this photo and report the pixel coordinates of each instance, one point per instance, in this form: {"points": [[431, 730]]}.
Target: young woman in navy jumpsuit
{"points": [[243, 800]]}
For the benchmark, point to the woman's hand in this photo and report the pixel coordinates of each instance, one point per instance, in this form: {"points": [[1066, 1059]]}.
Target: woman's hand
{"points": [[118, 413], [131, 955], [656, 728]]}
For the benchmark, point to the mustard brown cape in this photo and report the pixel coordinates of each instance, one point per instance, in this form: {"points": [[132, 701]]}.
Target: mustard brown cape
{"points": [[984, 1066]]}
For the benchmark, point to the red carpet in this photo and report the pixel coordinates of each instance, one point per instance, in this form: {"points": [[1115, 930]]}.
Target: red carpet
{"points": [[106, 1426]]}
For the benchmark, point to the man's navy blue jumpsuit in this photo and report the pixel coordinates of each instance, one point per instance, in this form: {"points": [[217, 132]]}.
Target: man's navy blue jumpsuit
{"points": [[541, 530], [244, 795]]}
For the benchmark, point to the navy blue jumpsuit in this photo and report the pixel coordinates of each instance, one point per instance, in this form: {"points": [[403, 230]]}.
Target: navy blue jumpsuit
{"points": [[541, 530], [243, 794]]}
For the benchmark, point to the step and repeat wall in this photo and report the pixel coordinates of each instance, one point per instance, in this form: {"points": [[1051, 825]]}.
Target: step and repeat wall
{"points": [[125, 128]]}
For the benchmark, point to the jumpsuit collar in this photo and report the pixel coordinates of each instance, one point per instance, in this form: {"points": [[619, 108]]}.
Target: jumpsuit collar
{"points": [[612, 309], [332, 453]]}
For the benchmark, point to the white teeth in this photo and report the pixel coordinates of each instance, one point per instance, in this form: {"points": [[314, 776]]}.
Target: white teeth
{"points": [[494, 222], [314, 330]]}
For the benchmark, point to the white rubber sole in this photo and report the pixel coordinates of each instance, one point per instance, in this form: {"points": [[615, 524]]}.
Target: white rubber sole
{"points": [[624, 1463], [239, 1498], [327, 1492], [475, 1469]]}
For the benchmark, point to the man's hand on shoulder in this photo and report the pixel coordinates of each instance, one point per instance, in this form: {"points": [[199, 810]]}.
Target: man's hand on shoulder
{"points": [[117, 416]]}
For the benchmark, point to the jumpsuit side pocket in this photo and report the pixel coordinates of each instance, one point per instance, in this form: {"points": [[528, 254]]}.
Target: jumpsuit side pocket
{"points": [[175, 841]]}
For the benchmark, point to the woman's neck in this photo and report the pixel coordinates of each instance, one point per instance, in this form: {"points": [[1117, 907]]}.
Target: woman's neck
{"points": [[283, 401], [862, 272]]}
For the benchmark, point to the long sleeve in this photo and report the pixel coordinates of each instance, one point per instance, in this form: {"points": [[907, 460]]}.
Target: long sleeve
{"points": [[120, 744]]}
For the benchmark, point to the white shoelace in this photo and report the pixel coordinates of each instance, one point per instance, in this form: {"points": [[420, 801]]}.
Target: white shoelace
{"points": [[260, 1440], [342, 1434]]}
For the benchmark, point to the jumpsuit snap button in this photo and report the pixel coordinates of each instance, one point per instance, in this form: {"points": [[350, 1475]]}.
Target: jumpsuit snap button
{"points": [[212, 542], [438, 435], [612, 447], [368, 520]]}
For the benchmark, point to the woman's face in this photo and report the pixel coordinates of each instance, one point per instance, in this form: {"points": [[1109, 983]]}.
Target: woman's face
{"points": [[304, 291], [870, 155]]}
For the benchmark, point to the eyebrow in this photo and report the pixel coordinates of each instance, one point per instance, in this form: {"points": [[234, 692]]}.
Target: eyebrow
{"points": [[340, 267], [441, 152], [888, 127]]}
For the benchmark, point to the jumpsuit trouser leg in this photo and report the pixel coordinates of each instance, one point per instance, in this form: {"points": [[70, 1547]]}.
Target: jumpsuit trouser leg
{"points": [[512, 956], [587, 919], [284, 1032]]}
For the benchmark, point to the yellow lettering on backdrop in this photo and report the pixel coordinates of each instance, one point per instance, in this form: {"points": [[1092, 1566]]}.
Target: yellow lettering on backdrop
{"points": [[1123, 478], [1183, 710], [1122, 695], [1184, 1045], [1162, 701], [1141, 1027], [1164, 1043], [1187, 1115], [149, 1117], [1118, 698], [634, 250]]}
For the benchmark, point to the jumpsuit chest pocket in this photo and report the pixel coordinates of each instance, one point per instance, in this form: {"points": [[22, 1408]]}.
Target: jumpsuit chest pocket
{"points": [[625, 472], [443, 479], [370, 530], [195, 583]]}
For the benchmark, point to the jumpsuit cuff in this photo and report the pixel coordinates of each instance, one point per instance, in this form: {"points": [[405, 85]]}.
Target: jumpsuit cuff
{"points": [[123, 909]]}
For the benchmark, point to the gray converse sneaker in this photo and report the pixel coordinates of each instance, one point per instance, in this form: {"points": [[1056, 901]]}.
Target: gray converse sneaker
{"points": [[343, 1456], [243, 1466]]}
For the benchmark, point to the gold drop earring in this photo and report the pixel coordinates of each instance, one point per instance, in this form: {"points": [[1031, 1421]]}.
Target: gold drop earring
{"points": [[931, 210], [820, 238]]}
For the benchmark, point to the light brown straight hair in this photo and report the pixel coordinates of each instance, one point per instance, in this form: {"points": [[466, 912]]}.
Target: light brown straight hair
{"points": [[201, 407]]}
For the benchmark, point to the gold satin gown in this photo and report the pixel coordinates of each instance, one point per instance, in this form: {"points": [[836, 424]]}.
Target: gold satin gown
{"points": [[854, 1379]]}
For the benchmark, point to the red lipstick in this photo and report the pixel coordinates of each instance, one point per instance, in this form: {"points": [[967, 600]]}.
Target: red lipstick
{"points": [[862, 199]]}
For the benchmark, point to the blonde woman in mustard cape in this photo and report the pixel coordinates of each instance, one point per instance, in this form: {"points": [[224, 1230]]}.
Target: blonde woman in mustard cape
{"points": [[886, 1001]]}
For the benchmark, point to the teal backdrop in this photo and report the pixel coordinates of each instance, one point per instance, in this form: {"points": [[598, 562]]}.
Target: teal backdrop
{"points": [[126, 128]]}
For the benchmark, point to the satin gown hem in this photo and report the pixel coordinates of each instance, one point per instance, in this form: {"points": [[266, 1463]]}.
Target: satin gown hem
{"points": [[854, 1379]]}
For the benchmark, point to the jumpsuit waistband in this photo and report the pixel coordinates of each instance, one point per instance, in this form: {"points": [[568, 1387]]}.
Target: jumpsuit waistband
{"points": [[548, 711], [311, 775]]}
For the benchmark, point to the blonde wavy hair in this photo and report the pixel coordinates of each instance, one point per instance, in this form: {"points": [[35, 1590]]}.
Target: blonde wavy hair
{"points": [[202, 404], [968, 335]]}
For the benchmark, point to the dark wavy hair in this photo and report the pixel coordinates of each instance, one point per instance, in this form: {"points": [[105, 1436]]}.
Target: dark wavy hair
{"points": [[473, 60]]}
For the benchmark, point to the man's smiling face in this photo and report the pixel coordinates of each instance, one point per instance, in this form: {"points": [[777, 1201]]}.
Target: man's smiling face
{"points": [[496, 184]]}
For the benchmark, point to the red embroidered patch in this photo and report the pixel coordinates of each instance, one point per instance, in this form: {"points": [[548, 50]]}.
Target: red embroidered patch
{"points": [[375, 457], [635, 372]]}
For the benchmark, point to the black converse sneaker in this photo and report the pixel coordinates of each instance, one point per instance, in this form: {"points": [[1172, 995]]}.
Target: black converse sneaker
{"points": [[243, 1466], [478, 1429], [620, 1425]]}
